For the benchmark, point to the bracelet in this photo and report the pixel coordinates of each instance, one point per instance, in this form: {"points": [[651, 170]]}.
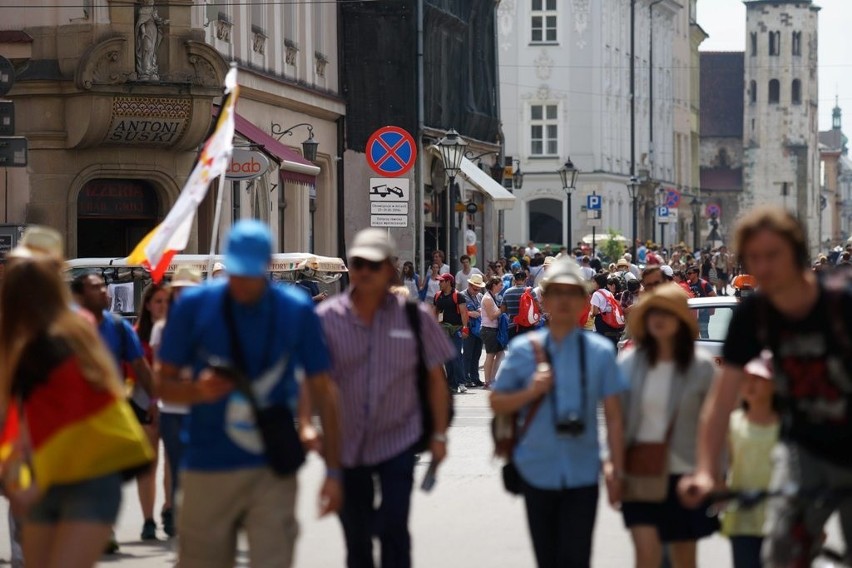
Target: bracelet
{"points": [[334, 473], [436, 437]]}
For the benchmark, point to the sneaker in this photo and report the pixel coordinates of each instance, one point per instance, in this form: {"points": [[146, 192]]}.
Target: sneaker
{"points": [[461, 389], [168, 519], [477, 384], [149, 530]]}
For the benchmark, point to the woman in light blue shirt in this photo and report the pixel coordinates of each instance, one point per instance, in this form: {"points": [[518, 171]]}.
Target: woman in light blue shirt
{"points": [[559, 457]]}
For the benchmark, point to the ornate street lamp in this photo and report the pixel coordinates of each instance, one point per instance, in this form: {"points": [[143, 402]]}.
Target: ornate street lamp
{"points": [[695, 205], [452, 148], [518, 176], [568, 174], [632, 190], [309, 146]]}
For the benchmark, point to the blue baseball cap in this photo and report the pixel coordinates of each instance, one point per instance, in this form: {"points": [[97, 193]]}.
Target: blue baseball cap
{"points": [[249, 249]]}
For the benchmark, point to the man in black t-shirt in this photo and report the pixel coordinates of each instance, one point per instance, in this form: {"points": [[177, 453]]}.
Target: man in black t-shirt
{"points": [[451, 311], [805, 323]]}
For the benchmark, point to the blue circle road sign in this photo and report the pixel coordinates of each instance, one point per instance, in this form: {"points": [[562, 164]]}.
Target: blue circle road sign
{"points": [[391, 151], [673, 198]]}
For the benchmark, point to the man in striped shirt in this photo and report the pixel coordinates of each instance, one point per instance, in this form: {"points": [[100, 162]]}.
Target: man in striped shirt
{"points": [[374, 353]]}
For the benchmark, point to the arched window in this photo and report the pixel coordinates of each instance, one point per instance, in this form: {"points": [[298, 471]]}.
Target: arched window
{"points": [[753, 44], [545, 217], [774, 43], [752, 92], [796, 92], [797, 43], [774, 91]]}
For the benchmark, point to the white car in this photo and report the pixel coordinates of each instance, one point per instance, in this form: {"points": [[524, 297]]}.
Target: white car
{"points": [[714, 315]]}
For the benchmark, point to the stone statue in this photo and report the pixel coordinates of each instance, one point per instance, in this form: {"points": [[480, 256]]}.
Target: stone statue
{"points": [[149, 36]]}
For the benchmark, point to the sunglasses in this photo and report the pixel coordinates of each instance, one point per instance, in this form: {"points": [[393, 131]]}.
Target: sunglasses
{"points": [[362, 263]]}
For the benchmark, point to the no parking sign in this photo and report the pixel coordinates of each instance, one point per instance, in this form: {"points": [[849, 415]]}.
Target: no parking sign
{"points": [[391, 151]]}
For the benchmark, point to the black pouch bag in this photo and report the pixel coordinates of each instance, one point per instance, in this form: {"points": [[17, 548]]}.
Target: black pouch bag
{"points": [[282, 447]]}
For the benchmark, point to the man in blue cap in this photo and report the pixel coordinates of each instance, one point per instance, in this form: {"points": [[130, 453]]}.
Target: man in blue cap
{"points": [[244, 339]]}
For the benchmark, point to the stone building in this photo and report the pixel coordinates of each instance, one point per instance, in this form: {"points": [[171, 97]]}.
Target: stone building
{"points": [[566, 92], [722, 80], [115, 98], [780, 126], [835, 173]]}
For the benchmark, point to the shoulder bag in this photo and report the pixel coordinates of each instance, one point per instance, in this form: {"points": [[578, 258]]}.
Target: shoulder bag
{"points": [[282, 447], [507, 435], [646, 469]]}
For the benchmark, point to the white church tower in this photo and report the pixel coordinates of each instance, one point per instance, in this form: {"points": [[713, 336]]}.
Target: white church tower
{"points": [[781, 126]]}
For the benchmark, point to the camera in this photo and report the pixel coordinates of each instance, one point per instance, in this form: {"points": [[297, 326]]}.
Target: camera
{"points": [[574, 425]]}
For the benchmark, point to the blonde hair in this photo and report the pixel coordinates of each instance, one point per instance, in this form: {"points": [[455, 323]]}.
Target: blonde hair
{"points": [[400, 291], [34, 301], [779, 221]]}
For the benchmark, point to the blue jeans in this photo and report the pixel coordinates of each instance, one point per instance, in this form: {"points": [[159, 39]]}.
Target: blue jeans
{"points": [[472, 353], [455, 366], [362, 521], [171, 425]]}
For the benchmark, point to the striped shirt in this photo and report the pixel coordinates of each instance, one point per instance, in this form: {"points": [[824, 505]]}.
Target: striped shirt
{"points": [[512, 300], [375, 369]]}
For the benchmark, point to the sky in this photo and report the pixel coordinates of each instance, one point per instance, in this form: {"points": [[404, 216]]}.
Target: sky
{"points": [[724, 21]]}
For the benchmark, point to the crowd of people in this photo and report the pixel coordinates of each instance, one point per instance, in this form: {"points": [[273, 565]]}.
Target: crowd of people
{"points": [[231, 375]]}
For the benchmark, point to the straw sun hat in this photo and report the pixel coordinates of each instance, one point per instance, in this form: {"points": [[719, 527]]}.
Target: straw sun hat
{"points": [[667, 297]]}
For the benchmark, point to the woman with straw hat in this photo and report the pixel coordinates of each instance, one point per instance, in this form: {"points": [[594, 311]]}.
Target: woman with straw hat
{"points": [[669, 380]]}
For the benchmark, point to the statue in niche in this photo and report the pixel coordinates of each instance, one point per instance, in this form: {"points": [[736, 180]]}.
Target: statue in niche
{"points": [[149, 36]]}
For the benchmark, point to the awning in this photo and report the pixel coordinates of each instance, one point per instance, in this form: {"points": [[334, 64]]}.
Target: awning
{"points": [[502, 198], [293, 167]]}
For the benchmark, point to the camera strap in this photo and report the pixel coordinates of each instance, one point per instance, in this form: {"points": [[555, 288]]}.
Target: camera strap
{"points": [[584, 395], [237, 353]]}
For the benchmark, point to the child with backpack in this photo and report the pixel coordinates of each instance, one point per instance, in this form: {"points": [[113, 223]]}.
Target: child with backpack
{"points": [[606, 310]]}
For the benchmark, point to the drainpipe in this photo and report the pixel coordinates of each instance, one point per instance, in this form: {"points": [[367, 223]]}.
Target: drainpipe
{"points": [[419, 225]]}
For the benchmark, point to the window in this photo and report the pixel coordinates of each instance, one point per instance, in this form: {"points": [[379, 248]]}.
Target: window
{"points": [[713, 322], [797, 43], [753, 44], [543, 22], [544, 130], [796, 92], [774, 43], [752, 92], [774, 91]]}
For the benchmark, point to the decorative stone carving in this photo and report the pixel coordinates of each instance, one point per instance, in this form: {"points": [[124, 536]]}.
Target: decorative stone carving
{"points": [[543, 66], [158, 121], [223, 29], [581, 10], [320, 60], [505, 23], [101, 64], [258, 43], [210, 68], [291, 50], [543, 92], [149, 35]]}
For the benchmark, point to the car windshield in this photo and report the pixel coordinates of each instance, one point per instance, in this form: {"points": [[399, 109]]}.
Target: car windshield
{"points": [[713, 322]]}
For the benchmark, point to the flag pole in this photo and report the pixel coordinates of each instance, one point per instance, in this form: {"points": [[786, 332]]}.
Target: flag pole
{"points": [[217, 216]]}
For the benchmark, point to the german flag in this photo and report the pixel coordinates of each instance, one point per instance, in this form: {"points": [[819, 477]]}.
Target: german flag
{"points": [[76, 432]]}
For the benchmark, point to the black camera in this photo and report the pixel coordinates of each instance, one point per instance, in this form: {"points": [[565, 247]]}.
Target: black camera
{"points": [[574, 426]]}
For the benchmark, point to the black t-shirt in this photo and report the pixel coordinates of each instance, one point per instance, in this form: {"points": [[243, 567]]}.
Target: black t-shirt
{"points": [[813, 372], [447, 309]]}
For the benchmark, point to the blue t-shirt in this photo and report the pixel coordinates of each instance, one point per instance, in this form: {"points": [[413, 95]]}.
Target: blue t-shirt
{"points": [[278, 335], [120, 339], [545, 459]]}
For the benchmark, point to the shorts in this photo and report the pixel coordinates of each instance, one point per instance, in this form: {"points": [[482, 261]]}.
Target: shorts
{"points": [[673, 521], [722, 276], [488, 335], [94, 500]]}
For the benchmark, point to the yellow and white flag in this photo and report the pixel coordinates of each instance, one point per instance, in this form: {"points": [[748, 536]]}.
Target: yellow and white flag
{"points": [[156, 250]]}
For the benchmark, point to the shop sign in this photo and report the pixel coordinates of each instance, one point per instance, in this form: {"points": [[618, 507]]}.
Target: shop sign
{"points": [[117, 199], [247, 164], [155, 121]]}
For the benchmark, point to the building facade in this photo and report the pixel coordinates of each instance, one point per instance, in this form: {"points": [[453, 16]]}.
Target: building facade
{"points": [[835, 206], [780, 137], [566, 88], [116, 97]]}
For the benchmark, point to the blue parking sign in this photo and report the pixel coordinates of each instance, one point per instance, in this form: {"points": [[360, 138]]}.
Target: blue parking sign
{"points": [[593, 202], [662, 211]]}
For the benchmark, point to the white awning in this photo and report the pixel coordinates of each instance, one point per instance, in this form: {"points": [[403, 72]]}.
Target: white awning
{"points": [[502, 198]]}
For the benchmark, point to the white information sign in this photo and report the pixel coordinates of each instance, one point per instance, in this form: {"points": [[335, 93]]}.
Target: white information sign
{"points": [[377, 208], [389, 190], [388, 220]]}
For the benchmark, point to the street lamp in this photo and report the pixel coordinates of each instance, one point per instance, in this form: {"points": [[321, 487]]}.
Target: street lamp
{"points": [[568, 173], [518, 176], [695, 205], [309, 146], [452, 148], [632, 189], [661, 201]]}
